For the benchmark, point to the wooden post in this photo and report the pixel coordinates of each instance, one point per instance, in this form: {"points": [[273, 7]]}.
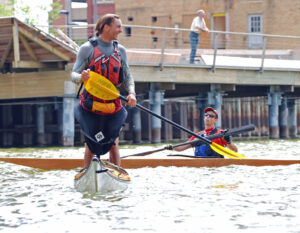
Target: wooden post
{"points": [[7, 123], [292, 118], [167, 129], [27, 120]]}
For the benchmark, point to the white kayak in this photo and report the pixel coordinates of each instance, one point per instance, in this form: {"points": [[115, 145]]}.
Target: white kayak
{"points": [[101, 176]]}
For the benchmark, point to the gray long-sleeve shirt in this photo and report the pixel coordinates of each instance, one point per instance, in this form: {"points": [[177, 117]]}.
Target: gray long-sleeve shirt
{"points": [[85, 56]]}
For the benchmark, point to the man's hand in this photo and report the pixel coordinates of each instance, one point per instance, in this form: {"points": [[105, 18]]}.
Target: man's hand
{"points": [[169, 147], [131, 100], [85, 75], [227, 139], [197, 142]]}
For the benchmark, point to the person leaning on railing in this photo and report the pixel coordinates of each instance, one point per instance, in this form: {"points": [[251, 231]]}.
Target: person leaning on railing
{"points": [[198, 25], [203, 149]]}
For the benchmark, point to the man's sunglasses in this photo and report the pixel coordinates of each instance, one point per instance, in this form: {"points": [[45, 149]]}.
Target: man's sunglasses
{"points": [[210, 115]]}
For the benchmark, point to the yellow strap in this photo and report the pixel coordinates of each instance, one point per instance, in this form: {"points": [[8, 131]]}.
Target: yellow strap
{"points": [[103, 107]]}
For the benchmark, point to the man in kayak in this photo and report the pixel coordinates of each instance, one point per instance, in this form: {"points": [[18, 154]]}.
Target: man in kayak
{"points": [[202, 149], [101, 121]]}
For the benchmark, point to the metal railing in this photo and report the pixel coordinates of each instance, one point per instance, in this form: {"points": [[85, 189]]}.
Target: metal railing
{"points": [[214, 46]]}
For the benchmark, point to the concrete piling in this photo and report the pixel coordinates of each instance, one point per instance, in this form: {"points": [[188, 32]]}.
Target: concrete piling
{"points": [[283, 121], [292, 118], [156, 100], [274, 100], [68, 114]]}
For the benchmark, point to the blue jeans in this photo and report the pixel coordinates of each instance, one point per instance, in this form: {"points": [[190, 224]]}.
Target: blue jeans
{"points": [[194, 38]]}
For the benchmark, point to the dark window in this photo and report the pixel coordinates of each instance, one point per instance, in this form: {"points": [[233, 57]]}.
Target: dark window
{"points": [[154, 19], [154, 39], [130, 19], [127, 31]]}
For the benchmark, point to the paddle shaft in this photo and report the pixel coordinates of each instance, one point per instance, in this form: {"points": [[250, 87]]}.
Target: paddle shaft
{"points": [[169, 121], [210, 137], [144, 153]]}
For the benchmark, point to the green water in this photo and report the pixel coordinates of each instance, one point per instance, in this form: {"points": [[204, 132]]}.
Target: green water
{"points": [[162, 199]]}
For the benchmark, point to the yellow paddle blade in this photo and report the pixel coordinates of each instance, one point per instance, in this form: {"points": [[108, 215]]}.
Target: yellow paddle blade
{"points": [[226, 152], [101, 87]]}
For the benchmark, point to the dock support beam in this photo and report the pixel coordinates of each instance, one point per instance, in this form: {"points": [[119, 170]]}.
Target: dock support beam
{"points": [[40, 123], [68, 114], [156, 100], [283, 123], [274, 100], [292, 118]]}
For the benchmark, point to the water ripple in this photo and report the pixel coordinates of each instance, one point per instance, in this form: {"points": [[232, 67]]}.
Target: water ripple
{"points": [[162, 199]]}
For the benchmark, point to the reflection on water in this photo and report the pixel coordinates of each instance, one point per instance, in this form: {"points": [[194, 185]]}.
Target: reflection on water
{"points": [[163, 199]]}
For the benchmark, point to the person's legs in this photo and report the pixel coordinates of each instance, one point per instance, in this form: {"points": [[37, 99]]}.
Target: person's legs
{"points": [[88, 156], [194, 42], [114, 154]]}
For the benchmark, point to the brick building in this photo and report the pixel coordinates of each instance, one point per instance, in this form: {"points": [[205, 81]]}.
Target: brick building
{"points": [[248, 16]]}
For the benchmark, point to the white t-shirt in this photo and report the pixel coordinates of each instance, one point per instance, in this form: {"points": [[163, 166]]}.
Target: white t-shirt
{"points": [[198, 22]]}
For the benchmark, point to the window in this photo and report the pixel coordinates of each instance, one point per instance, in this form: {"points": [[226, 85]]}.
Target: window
{"points": [[127, 31], [255, 26], [154, 19], [255, 23], [130, 19], [154, 39]]}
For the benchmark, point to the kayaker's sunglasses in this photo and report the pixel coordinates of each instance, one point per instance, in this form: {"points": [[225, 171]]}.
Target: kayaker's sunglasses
{"points": [[210, 115]]}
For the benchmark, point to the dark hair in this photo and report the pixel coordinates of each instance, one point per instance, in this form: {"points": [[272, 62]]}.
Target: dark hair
{"points": [[105, 19]]}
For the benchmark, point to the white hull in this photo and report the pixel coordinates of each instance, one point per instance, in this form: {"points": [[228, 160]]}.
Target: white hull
{"points": [[99, 178]]}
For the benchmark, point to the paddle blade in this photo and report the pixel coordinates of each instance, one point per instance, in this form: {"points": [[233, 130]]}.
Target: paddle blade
{"points": [[226, 152], [101, 87]]}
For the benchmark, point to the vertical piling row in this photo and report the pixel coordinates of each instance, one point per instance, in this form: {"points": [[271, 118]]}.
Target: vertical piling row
{"points": [[40, 124]]}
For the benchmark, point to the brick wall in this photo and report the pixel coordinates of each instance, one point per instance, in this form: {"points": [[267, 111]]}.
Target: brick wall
{"points": [[278, 17]]}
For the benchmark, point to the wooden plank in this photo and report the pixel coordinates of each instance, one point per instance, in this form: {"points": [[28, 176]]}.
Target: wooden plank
{"points": [[46, 164], [16, 43], [28, 64], [6, 52], [45, 45], [28, 48], [33, 84]]}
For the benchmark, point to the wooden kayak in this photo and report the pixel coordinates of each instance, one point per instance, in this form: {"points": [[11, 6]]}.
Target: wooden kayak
{"points": [[66, 164], [101, 176]]}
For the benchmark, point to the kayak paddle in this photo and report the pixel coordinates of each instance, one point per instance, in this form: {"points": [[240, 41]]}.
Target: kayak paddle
{"points": [[102, 88]]}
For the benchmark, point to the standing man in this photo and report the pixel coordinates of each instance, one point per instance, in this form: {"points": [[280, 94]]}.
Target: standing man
{"points": [[204, 150], [198, 25], [101, 121]]}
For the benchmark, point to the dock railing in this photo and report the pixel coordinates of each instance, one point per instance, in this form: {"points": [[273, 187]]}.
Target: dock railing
{"points": [[163, 46]]}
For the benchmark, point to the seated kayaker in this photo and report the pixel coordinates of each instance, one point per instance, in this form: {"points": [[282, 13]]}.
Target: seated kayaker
{"points": [[202, 149]]}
